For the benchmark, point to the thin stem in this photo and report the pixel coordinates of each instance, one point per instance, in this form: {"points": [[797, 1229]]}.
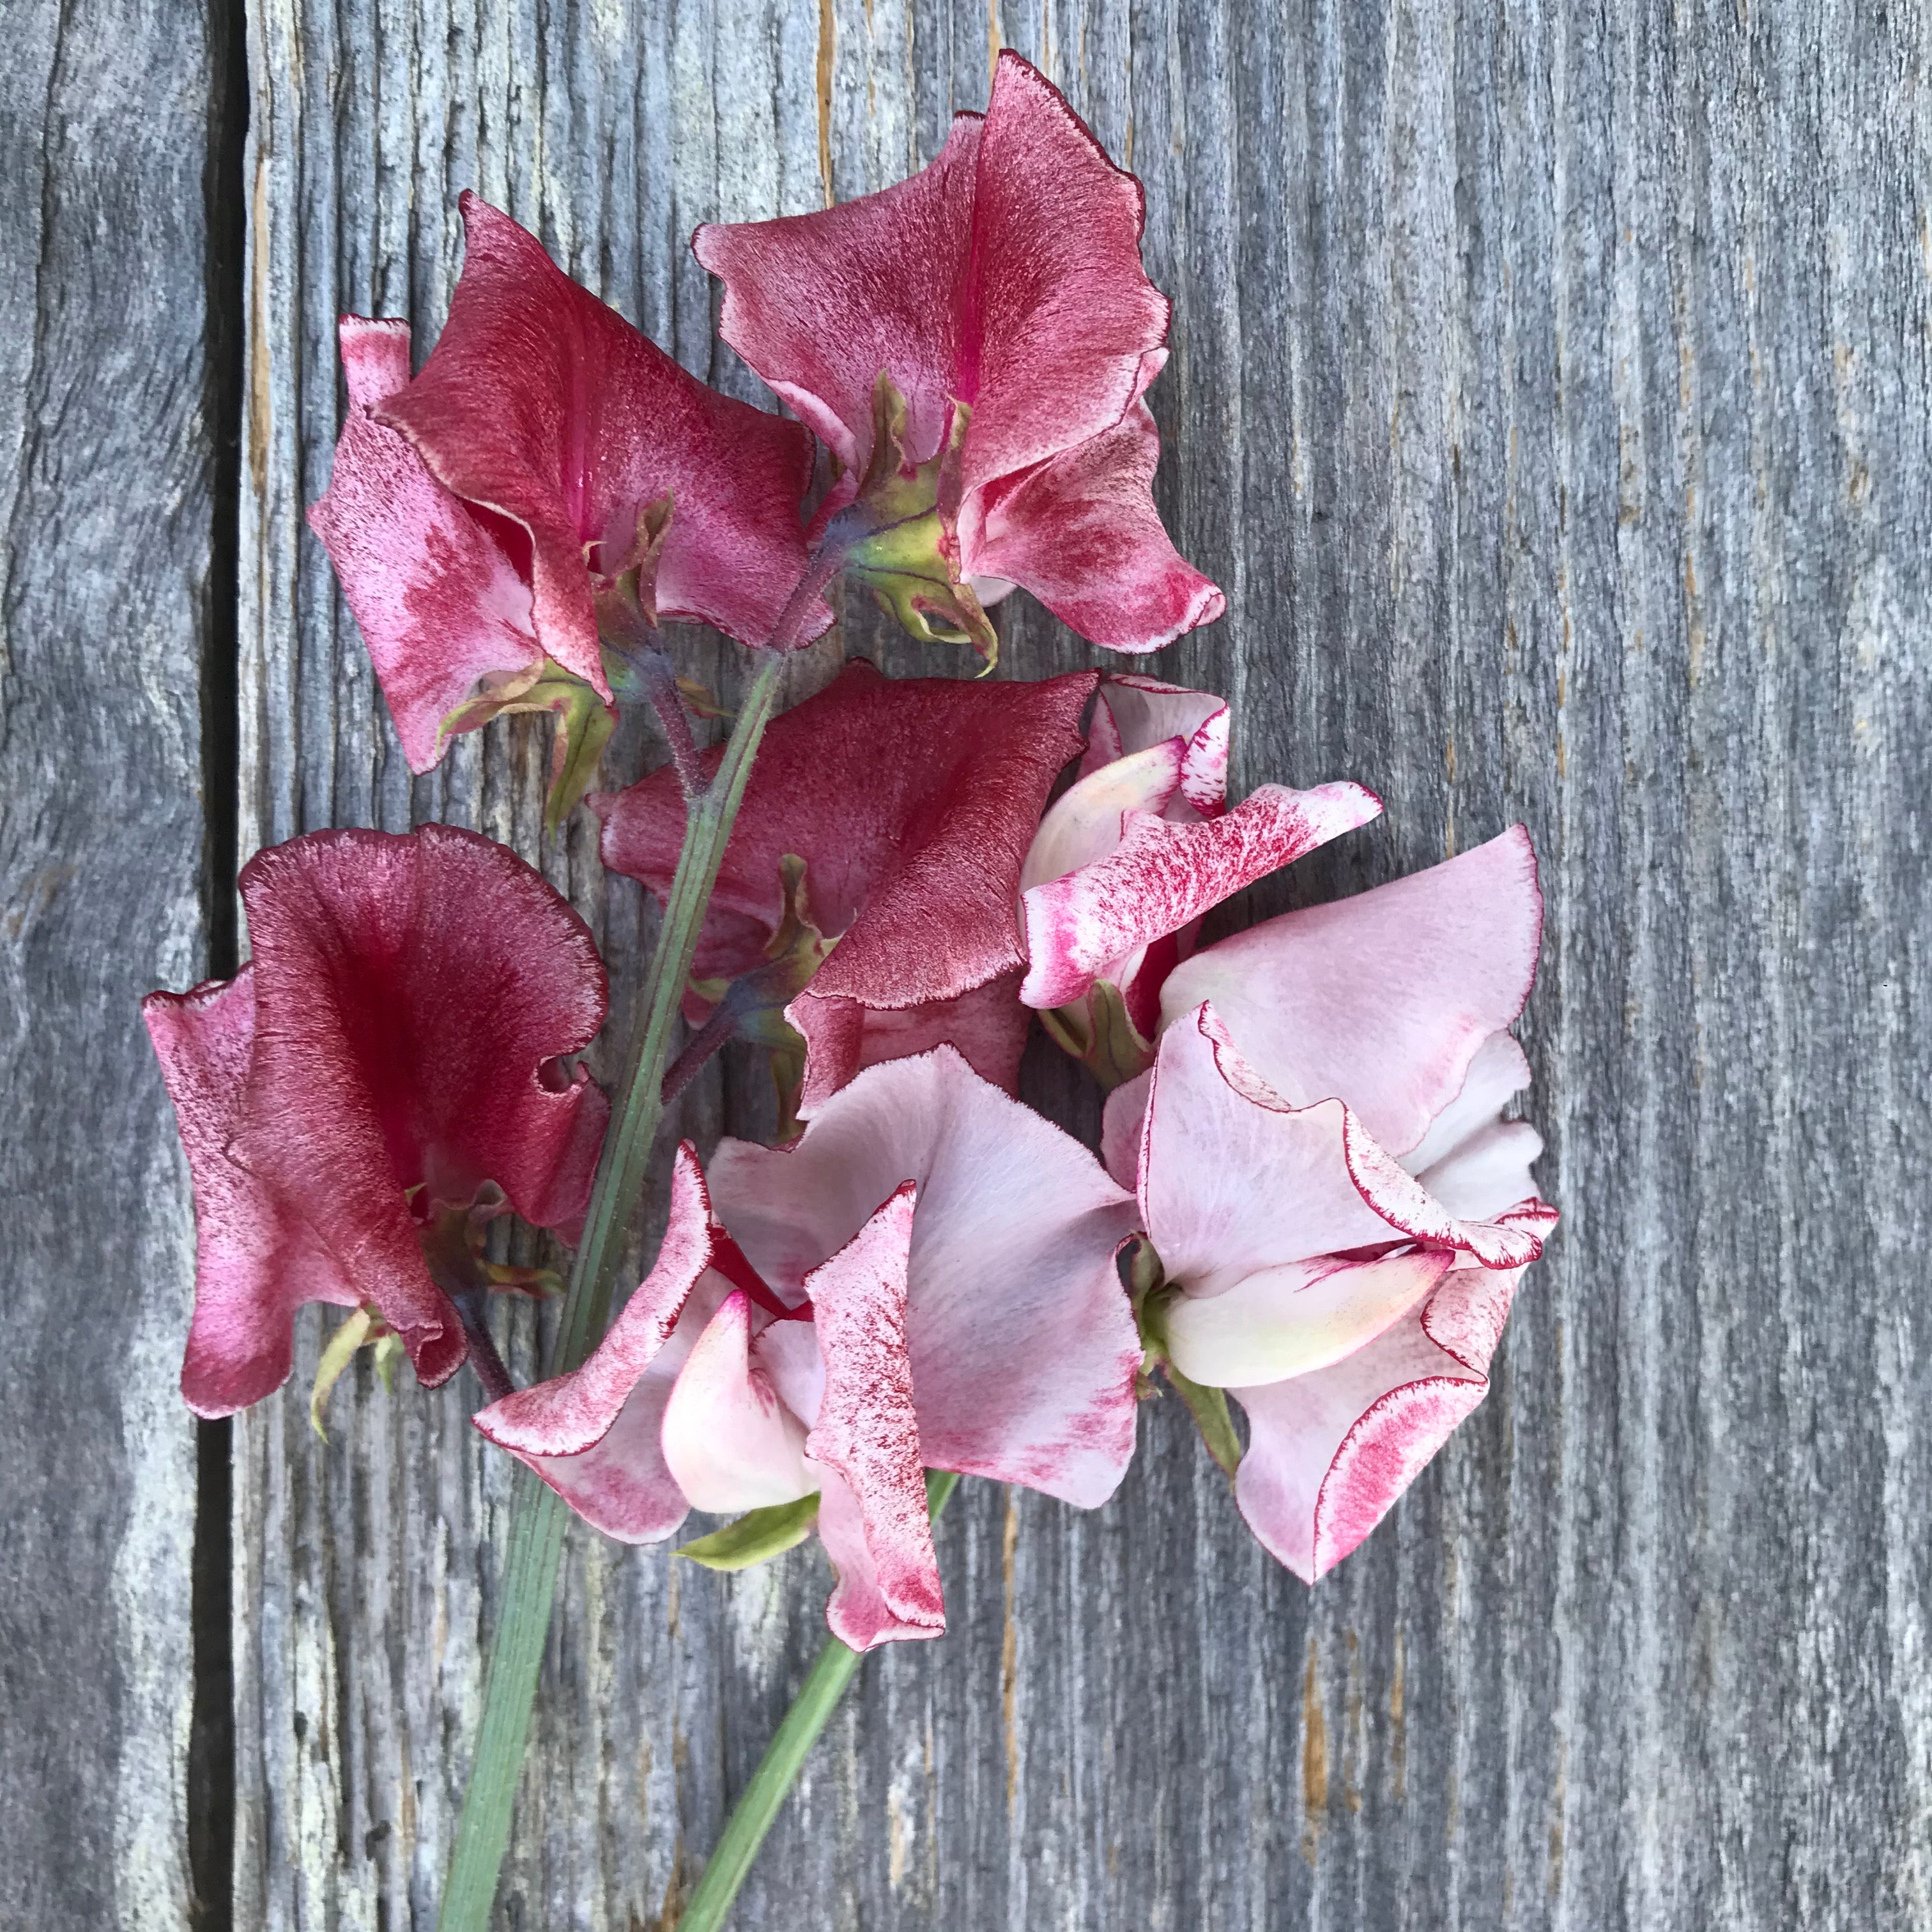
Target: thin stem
{"points": [[753, 1816], [722, 1023], [536, 1528], [675, 722], [484, 1358]]}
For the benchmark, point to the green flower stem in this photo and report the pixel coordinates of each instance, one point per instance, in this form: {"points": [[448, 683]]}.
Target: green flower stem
{"points": [[536, 1528], [752, 1817]]}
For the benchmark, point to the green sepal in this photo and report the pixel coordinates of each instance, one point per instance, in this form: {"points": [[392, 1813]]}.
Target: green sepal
{"points": [[911, 563], [758, 1537], [388, 1353], [1209, 1409], [1097, 1031], [584, 724], [337, 1357]]}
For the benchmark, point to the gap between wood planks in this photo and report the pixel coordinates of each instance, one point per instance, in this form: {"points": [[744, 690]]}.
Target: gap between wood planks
{"points": [[211, 1765]]}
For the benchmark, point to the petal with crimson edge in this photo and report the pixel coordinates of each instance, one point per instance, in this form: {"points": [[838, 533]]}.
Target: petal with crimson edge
{"points": [[867, 1437], [441, 608], [541, 403], [1023, 1345], [1383, 1000], [1134, 712], [1162, 876], [257, 1261], [413, 995], [1329, 1454]]}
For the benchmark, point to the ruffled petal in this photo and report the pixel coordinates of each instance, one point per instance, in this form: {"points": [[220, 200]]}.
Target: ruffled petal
{"points": [[912, 802], [1022, 1344], [441, 609], [543, 405], [1081, 533], [867, 1436], [729, 1441], [413, 995], [1162, 876], [1383, 1000], [1329, 1454], [1293, 1237], [1134, 712], [1085, 822], [256, 1260]]}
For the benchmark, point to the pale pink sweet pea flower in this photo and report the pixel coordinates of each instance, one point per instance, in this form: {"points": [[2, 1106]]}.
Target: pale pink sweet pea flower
{"points": [[912, 802], [1340, 1211], [390, 1056], [476, 513], [1130, 857], [954, 1254], [1000, 293]]}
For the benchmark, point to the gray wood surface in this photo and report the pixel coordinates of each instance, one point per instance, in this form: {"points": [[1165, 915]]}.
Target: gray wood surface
{"points": [[113, 592], [1550, 393]]}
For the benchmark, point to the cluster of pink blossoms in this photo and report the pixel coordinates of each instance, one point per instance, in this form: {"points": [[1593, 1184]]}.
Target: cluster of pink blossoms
{"points": [[1310, 1197]]}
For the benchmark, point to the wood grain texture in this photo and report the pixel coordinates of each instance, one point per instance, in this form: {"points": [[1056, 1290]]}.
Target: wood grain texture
{"points": [[108, 535], [1550, 393]]}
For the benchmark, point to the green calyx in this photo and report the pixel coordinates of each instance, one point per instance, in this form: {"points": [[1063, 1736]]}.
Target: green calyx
{"points": [[1097, 1031], [758, 1537], [1152, 1295], [910, 562]]}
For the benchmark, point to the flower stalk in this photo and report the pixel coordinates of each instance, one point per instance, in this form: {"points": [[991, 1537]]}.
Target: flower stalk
{"points": [[537, 1524], [753, 1816]]}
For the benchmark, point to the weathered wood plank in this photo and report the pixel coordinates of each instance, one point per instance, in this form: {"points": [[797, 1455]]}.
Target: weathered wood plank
{"points": [[1550, 393], [109, 607]]}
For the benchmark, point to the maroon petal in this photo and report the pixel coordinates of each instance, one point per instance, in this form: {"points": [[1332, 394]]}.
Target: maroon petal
{"points": [[912, 802], [543, 405], [413, 997], [441, 609], [1081, 531], [257, 1261]]}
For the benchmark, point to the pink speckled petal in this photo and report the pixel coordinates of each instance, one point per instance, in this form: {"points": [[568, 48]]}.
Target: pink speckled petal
{"points": [[1022, 1343], [867, 1436], [1134, 712], [1084, 824], [1383, 1000], [1163, 876], [441, 609]]}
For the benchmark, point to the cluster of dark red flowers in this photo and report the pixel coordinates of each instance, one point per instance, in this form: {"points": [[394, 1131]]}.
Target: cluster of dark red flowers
{"points": [[1310, 1197]]}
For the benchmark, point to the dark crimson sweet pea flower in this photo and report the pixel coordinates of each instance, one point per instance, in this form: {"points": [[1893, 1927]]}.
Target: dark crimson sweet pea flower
{"points": [[973, 346], [926, 1280], [551, 476], [1340, 1207], [385, 1072], [912, 802]]}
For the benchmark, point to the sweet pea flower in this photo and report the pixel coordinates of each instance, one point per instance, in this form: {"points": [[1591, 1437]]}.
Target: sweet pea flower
{"points": [[912, 802], [926, 1280], [973, 346], [382, 1076], [1132, 856], [1340, 1213], [550, 474]]}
